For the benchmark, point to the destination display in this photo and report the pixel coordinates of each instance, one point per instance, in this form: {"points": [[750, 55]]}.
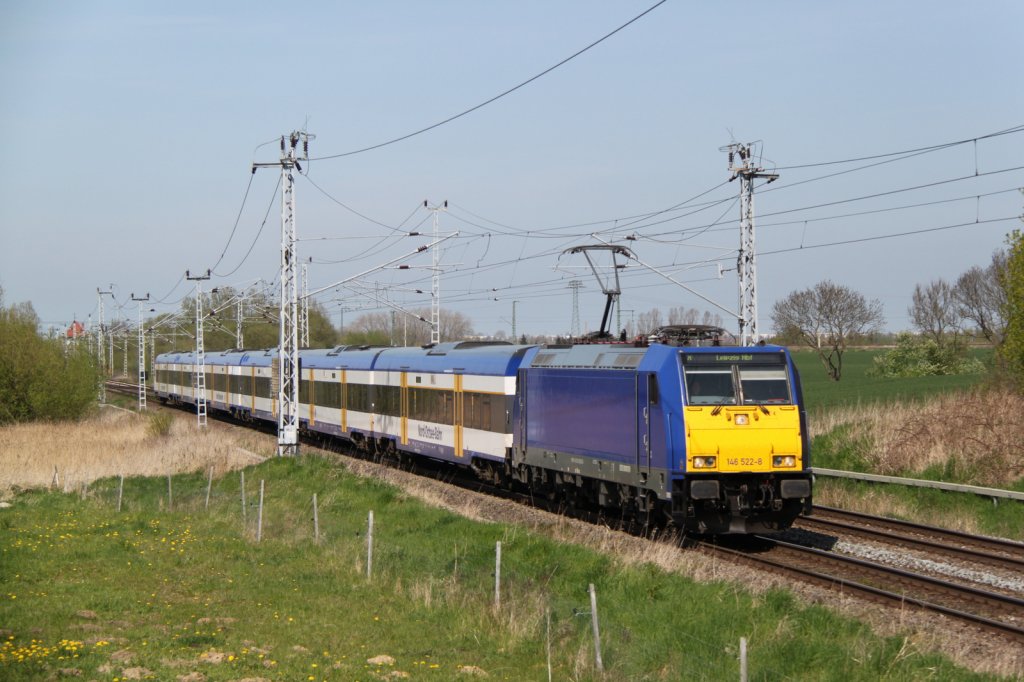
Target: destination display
{"points": [[762, 358]]}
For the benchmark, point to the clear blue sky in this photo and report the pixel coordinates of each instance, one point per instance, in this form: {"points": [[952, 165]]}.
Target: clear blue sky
{"points": [[130, 129]]}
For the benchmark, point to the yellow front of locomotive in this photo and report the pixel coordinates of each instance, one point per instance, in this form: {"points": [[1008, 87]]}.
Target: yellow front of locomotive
{"points": [[747, 460]]}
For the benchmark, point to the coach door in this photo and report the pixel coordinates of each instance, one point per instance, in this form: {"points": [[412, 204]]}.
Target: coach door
{"points": [[457, 421], [646, 396]]}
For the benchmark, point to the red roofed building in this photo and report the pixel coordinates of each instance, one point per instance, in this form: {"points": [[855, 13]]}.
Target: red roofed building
{"points": [[75, 330]]}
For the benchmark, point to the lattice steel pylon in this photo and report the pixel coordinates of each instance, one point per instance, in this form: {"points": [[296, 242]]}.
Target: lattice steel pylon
{"points": [[304, 319], [100, 355], [288, 340], [199, 368], [746, 261], [142, 353], [574, 329], [239, 338], [435, 280]]}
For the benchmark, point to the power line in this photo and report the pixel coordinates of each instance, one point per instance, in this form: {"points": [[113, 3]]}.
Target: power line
{"points": [[237, 219], [496, 97], [352, 210], [266, 216], [932, 148], [860, 198]]}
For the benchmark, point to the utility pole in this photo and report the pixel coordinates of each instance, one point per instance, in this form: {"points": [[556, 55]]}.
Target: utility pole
{"points": [[124, 355], [435, 281], [142, 353], [746, 262], [514, 337], [100, 355], [239, 339], [200, 363], [574, 329], [304, 318], [288, 339]]}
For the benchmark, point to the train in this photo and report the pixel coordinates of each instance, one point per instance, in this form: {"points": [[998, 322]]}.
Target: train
{"points": [[712, 439]]}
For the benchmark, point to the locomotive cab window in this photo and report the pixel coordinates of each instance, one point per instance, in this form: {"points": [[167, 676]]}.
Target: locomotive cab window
{"points": [[710, 386], [764, 385], [736, 379]]}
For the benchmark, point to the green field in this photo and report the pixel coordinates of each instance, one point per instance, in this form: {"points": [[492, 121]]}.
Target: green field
{"points": [[151, 594], [856, 387]]}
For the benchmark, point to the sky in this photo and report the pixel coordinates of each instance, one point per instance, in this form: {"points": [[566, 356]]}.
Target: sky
{"points": [[130, 130]]}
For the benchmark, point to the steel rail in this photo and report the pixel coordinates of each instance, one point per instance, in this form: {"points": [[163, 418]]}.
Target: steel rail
{"points": [[889, 531], [993, 600]]}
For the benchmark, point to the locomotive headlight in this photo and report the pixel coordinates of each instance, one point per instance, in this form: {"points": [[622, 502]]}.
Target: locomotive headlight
{"points": [[704, 462], [784, 461]]}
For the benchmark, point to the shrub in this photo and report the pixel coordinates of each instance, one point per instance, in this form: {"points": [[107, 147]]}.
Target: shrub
{"points": [[159, 424], [40, 378], [917, 356]]}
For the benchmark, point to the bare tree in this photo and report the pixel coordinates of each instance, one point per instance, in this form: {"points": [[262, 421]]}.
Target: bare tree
{"points": [[826, 316], [713, 319], [980, 295], [934, 311], [649, 321], [681, 315], [412, 327]]}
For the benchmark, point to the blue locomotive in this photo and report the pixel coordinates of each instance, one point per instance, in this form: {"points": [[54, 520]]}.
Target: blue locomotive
{"points": [[712, 438]]}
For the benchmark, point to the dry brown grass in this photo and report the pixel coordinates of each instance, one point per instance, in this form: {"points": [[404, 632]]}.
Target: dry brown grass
{"points": [[119, 442], [976, 436]]}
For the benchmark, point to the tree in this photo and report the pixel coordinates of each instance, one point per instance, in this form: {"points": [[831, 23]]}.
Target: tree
{"points": [[648, 322], [934, 312], [825, 317], [1012, 350], [981, 298], [39, 377], [398, 328]]}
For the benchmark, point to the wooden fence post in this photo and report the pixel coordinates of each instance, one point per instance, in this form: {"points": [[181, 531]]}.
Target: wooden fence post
{"points": [[209, 484], [597, 632], [170, 497], [497, 576], [743, 659], [259, 519], [369, 545], [316, 521], [120, 492]]}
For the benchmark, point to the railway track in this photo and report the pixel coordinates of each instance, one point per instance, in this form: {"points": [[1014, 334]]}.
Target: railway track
{"points": [[978, 549], [879, 583], [871, 580]]}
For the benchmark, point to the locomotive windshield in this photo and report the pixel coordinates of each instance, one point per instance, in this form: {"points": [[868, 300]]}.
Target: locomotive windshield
{"points": [[735, 380]]}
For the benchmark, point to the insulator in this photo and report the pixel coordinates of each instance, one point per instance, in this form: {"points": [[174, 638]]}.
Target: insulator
{"points": [[282, 143], [305, 146]]}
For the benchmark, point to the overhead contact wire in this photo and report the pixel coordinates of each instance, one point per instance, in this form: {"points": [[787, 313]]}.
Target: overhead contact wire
{"points": [[496, 97]]}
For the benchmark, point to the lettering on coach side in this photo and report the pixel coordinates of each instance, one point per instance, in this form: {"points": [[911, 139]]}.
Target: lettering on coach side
{"points": [[429, 432]]}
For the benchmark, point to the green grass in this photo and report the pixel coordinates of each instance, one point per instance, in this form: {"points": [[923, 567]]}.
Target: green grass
{"points": [[856, 387], [168, 587]]}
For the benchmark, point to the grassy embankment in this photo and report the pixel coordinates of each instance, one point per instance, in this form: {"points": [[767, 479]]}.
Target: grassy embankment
{"points": [[190, 595], [954, 429]]}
